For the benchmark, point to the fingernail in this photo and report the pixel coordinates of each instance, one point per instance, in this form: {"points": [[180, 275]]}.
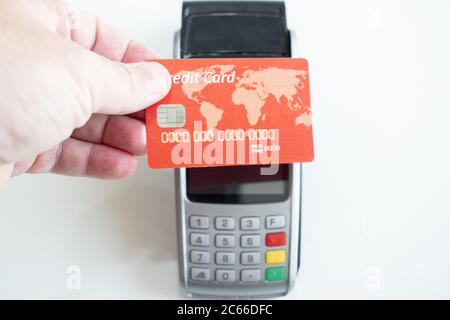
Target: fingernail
{"points": [[158, 80], [144, 135]]}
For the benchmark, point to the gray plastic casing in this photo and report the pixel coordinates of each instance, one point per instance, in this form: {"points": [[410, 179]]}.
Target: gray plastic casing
{"points": [[291, 208]]}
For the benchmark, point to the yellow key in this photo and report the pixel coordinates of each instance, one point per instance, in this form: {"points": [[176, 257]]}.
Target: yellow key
{"points": [[275, 256]]}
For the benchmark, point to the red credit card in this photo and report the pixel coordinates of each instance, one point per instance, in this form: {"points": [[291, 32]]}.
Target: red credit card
{"points": [[232, 111]]}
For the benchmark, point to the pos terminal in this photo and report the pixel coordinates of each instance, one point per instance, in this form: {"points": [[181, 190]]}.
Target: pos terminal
{"points": [[238, 230]]}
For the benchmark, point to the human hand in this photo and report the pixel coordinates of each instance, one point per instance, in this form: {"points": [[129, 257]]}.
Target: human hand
{"points": [[71, 94]]}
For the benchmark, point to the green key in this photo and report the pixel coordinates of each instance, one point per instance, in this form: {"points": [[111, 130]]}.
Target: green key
{"points": [[275, 274]]}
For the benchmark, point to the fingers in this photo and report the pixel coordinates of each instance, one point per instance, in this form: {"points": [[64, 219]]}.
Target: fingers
{"points": [[115, 88], [94, 34], [24, 165], [43, 163], [118, 88], [140, 115], [116, 46], [5, 173], [137, 52], [79, 158], [85, 159], [119, 132]]}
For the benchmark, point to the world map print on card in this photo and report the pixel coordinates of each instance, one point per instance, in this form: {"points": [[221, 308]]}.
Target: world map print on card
{"points": [[232, 112]]}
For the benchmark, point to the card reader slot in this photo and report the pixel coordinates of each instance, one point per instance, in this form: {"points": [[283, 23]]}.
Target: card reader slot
{"points": [[234, 54], [227, 29]]}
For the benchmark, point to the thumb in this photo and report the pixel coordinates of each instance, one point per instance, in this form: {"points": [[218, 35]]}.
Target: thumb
{"points": [[119, 88]]}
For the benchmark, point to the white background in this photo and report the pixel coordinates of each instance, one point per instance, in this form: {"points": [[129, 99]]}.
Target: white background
{"points": [[376, 216]]}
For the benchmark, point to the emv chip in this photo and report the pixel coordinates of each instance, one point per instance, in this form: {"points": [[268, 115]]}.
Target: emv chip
{"points": [[171, 116]]}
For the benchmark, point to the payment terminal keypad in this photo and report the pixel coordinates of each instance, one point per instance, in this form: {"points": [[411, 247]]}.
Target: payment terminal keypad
{"points": [[237, 250]]}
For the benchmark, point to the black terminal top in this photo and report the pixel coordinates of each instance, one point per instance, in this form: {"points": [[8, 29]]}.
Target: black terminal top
{"points": [[234, 29]]}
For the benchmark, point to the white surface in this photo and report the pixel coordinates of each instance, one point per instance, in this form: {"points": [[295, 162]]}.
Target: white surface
{"points": [[376, 221]]}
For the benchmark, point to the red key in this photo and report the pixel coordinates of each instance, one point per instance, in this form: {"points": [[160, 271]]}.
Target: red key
{"points": [[276, 239]]}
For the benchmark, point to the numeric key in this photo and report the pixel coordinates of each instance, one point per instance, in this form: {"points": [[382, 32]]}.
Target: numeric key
{"points": [[250, 241], [199, 239], [225, 258], [251, 223], [199, 222], [225, 241], [224, 223], [249, 258], [225, 275], [199, 256]]}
